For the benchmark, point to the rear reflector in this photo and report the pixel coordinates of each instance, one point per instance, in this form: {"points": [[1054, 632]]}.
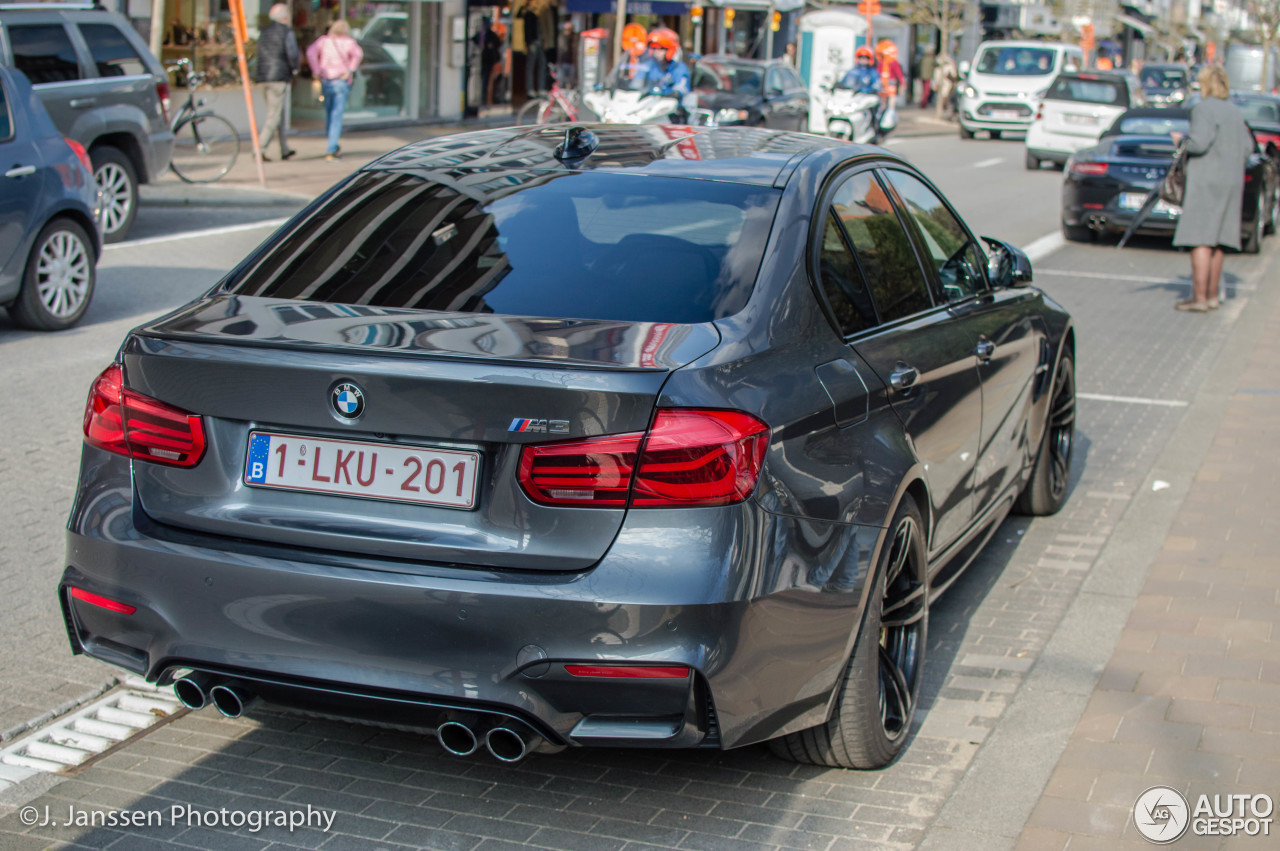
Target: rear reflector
{"points": [[94, 599], [687, 458], [651, 672], [128, 423], [1091, 169]]}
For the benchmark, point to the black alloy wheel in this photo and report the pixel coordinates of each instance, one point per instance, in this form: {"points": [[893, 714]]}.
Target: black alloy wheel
{"points": [[1273, 220], [1251, 242], [881, 685], [1046, 490]]}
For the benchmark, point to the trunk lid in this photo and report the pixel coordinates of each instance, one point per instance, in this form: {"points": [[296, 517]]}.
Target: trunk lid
{"points": [[471, 384]]}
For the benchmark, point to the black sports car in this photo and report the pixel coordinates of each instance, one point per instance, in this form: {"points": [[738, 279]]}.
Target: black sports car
{"points": [[613, 435], [1104, 186], [751, 92], [1262, 113]]}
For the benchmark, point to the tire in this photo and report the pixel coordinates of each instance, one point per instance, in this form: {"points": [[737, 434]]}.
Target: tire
{"points": [[1046, 491], [205, 148], [118, 182], [1274, 219], [1252, 241], [529, 113], [1033, 163], [965, 134], [995, 134], [59, 279], [881, 684], [553, 113], [1077, 233]]}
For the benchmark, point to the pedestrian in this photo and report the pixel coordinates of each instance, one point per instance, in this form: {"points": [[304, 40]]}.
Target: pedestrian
{"points": [[927, 66], [944, 81], [789, 54], [1218, 149], [277, 63], [566, 55], [334, 58]]}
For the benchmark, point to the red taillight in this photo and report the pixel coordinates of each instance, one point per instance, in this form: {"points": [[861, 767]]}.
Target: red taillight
{"points": [[687, 458], [80, 152], [162, 92], [633, 671], [1265, 139], [1091, 169], [128, 423], [1039, 112], [109, 605]]}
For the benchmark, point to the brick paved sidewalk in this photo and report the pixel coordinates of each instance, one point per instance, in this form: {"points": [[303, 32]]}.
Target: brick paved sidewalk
{"points": [[1191, 696]]}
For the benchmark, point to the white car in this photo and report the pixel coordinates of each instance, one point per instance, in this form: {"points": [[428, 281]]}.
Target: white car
{"points": [[1075, 111], [1008, 79]]}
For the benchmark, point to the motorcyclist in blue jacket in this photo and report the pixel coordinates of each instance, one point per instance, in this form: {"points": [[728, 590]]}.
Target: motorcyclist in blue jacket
{"points": [[863, 77], [663, 72]]}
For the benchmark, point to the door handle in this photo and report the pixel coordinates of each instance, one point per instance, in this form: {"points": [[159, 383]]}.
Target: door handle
{"points": [[81, 103], [903, 376], [20, 171], [985, 350]]}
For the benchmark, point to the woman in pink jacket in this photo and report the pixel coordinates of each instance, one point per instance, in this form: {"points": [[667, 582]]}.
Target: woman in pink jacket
{"points": [[334, 59]]}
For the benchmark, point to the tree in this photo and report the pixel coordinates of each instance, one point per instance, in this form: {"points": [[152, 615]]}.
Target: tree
{"points": [[949, 16], [1266, 14]]}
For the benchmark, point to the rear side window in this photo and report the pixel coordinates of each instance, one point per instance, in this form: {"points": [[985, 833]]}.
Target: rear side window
{"points": [[842, 282], [883, 251], [113, 55], [584, 245], [1089, 90], [44, 53], [6, 120]]}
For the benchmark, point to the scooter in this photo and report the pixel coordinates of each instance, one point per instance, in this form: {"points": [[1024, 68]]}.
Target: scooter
{"points": [[851, 116]]}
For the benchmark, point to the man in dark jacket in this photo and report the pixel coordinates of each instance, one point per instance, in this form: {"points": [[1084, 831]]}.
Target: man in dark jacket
{"points": [[277, 63]]}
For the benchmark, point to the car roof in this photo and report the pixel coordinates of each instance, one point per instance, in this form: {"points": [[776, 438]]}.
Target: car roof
{"points": [[1118, 74], [732, 154], [1145, 112], [730, 59]]}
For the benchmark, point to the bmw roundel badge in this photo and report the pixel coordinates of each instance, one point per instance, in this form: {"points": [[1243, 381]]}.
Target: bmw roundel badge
{"points": [[347, 400]]}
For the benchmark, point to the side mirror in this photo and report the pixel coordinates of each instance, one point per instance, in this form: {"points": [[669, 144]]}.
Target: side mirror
{"points": [[964, 69], [1009, 266]]}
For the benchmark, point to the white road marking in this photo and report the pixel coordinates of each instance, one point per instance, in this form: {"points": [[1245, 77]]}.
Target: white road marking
{"points": [[1109, 276], [989, 163], [1044, 246], [1133, 400], [196, 234]]}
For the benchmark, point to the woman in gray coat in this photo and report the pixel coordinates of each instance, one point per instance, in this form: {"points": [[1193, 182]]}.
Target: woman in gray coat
{"points": [[1218, 151]]}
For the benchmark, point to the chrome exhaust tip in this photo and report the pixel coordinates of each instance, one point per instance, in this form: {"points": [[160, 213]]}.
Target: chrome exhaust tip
{"points": [[457, 738], [510, 746], [232, 700], [193, 689]]}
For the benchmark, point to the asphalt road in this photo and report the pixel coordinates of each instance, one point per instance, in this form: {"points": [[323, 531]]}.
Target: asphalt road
{"points": [[1139, 364]]}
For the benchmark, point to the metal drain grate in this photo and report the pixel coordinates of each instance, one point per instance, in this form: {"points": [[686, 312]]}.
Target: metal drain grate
{"points": [[130, 708]]}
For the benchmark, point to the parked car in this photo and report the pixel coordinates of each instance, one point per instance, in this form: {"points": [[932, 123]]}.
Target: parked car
{"points": [[103, 88], [49, 243], [1262, 114], [1166, 83], [1076, 109], [618, 436], [1008, 79], [750, 91], [1105, 185]]}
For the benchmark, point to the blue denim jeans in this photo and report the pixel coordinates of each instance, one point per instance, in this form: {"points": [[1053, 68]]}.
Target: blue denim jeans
{"points": [[335, 103]]}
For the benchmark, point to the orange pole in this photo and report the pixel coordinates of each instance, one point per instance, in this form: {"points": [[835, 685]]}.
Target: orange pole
{"points": [[240, 30]]}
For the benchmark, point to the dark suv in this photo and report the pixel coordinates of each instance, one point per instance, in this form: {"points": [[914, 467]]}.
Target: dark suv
{"points": [[103, 88]]}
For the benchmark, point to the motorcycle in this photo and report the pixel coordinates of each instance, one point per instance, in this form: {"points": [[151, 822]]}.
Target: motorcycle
{"points": [[851, 116], [624, 99]]}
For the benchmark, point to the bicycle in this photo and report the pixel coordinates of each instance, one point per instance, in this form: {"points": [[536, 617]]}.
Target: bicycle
{"points": [[559, 104], [205, 145]]}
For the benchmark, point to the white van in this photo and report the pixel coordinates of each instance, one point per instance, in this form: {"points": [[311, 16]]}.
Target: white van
{"points": [[1007, 81], [1244, 68]]}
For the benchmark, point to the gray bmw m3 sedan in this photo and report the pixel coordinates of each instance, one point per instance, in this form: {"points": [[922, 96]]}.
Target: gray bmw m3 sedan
{"points": [[549, 437]]}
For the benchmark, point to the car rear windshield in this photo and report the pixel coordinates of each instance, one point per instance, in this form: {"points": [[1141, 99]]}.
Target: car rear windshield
{"points": [[1016, 61], [1164, 78], [582, 245], [1149, 125], [1088, 89]]}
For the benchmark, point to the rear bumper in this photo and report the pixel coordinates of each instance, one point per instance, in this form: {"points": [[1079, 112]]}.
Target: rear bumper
{"points": [[762, 609]]}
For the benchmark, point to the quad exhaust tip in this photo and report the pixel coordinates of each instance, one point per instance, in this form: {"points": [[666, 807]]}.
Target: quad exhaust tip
{"points": [[232, 700], [457, 738], [508, 745], [193, 689]]}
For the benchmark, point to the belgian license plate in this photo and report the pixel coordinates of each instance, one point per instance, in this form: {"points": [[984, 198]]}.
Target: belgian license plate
{"points": [[1004, 114], [388, 471], [1076, 118], [1132, 200]]}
